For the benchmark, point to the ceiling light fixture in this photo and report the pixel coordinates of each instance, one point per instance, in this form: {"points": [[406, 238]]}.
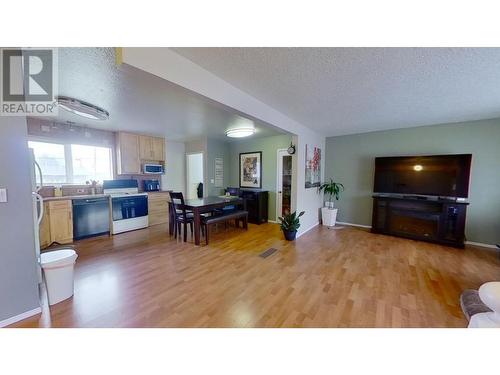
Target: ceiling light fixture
{"points": [[81, 108], [418, 167], [240, 132]]}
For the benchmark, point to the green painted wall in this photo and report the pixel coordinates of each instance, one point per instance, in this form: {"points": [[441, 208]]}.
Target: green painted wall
{"points": [[269, 147], [350, 160]]}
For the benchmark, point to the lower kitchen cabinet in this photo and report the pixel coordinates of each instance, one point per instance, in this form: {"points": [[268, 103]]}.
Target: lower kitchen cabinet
{"points": [[158, 207], [45, 227], [57, 223]]}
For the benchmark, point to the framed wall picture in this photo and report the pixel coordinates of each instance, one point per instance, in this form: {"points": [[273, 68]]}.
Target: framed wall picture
{"points": [[251, 170], [313, 166], [219, 173]]}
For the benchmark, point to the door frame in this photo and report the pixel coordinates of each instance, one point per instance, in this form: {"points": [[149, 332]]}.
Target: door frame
{"points": [[279, 180], [187, 171]]}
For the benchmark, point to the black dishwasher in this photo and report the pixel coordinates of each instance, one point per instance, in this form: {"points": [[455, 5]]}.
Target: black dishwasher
{"points": [[90, 217]]}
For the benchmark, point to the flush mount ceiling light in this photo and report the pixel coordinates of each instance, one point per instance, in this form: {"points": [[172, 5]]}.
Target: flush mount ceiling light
{"points": [[418, 167], [240, 132], [81, 108]]}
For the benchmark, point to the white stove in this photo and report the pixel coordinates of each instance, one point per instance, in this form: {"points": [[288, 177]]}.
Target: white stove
{"points": [[129, 208], [121, 191]]}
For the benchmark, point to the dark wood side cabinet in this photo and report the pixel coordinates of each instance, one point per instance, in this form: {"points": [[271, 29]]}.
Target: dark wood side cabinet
{"points": [[256, 205], [439, 221]]}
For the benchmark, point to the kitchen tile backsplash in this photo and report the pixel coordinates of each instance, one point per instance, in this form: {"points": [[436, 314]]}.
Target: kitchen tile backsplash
{"points": [[79, 134]]}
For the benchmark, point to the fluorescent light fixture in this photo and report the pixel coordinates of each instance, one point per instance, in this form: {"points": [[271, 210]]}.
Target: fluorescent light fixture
{"points": [[81, 108], [418, 167], [240, 132]]}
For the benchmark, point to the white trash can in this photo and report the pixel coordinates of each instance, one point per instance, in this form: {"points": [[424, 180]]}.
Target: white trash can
{"points": [[58, 268]]}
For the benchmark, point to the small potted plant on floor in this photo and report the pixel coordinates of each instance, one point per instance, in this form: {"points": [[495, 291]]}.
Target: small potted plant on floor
{"points": [[289, 225], [329, 213]]}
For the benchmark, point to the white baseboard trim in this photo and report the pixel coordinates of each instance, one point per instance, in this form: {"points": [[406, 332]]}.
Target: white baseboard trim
{"points": [[307, 230], [480, 244], [354, 225], [272, 221], [17, 318]]}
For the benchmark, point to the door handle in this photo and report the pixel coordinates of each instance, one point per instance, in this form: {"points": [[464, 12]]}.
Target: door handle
{"points": [[37, 189], [39, 200]]}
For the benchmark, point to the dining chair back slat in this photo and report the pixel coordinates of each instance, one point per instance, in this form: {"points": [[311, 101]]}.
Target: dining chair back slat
{"points": [[180, 213]]}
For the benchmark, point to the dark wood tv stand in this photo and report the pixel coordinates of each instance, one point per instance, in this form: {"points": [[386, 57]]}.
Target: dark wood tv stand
{"points": [[434, 220]]}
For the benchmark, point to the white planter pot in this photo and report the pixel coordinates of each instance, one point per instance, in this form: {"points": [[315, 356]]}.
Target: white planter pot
{"points": [[329, 216]]}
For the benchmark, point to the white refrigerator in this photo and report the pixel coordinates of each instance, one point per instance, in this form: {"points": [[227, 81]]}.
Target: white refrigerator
{"points": [[37, 200]]}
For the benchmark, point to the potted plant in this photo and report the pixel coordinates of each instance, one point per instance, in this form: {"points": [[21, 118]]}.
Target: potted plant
{"points": [[332, 190], [289, 225]]}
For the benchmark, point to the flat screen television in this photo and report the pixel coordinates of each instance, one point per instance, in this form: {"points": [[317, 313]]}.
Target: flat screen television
{"points": [[435, 175]]}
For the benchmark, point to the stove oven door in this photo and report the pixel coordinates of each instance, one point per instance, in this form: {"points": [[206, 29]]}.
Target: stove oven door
{"points": [[129, 207]]}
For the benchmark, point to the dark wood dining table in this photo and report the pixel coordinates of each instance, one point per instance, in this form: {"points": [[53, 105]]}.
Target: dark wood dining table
{"points": [[208, 204]]}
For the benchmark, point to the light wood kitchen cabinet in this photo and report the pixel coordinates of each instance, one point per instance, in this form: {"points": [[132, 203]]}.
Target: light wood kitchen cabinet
{"points": [[127, 153], [158, 207], [45, 227], [61, 221], [145, 147], [132, 149], [151, 148], [57, 223], [158, 146]]}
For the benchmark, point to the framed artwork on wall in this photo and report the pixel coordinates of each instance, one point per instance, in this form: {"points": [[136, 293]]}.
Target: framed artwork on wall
{"points": [[219, 173], [251, 169], [313, 166]]}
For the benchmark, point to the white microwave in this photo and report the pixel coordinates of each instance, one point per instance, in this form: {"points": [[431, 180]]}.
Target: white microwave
{"points": [[152, 169]]}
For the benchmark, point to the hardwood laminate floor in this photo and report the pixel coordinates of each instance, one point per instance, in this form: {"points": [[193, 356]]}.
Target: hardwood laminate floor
{"points": [[327, 278]]}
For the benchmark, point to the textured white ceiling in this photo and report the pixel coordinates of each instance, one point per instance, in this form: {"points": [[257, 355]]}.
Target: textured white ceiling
{"points": [[141, 102], [354, 90]]}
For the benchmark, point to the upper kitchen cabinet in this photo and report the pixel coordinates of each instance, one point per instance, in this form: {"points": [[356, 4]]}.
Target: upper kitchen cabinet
{"points": [[127, 153], [159, 148], [151, 148], [133, 149]]}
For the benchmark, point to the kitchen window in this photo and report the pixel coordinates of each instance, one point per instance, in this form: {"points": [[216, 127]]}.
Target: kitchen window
{"points": [[72, 163]]}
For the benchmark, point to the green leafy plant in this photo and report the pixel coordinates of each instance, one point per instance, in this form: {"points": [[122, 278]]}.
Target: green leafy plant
{"points": [[290, 222], [332, 190]]}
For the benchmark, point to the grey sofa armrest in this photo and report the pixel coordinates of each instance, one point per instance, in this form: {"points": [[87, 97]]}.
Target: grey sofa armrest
{"points": [[471, 303]]}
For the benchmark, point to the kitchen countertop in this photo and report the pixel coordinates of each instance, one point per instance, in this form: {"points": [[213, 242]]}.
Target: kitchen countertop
{"points": [[90, 196], [71, 197]]}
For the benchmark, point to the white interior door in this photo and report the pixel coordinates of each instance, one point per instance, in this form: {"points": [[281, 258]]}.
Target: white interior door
{"points": [[284, 184], [194, 173]]}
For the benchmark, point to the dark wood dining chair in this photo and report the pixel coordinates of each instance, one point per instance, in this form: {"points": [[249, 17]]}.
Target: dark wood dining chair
{"points": [[232, 191], [181, 216]]}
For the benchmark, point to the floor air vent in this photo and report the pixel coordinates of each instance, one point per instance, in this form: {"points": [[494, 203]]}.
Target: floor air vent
{"points": [[268, 252]]}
